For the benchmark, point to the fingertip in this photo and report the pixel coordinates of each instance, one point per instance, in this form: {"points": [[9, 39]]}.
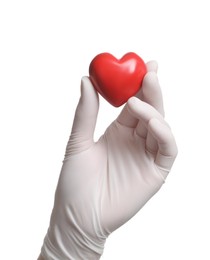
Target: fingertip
{"points": [[132, 102], [87, 88], [85, 81], [84, 78]]}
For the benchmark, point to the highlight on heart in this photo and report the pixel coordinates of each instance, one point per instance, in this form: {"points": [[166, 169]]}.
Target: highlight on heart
{"points": [[117, 80]]}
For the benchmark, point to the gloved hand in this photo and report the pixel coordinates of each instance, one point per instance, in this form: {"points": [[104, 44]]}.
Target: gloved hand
{"points": [[103, 184]]}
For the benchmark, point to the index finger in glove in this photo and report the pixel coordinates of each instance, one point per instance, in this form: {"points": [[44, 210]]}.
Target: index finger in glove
{"points": [[151, 92]]}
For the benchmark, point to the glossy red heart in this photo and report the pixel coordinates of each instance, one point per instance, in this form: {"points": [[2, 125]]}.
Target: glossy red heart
{"points": [[117, 79]]}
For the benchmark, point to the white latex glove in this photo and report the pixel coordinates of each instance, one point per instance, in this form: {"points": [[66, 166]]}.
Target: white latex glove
{"points": [[103, 184]]}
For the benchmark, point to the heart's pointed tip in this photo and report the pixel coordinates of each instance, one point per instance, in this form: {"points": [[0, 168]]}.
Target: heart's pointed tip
{"points": [[117, 105], [114, 104]]}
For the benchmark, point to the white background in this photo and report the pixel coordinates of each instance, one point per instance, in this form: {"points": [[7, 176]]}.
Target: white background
{"points": [[45, 49]]}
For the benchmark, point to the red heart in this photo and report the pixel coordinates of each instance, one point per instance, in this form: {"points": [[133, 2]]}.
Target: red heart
{"points": [[117, 80]]}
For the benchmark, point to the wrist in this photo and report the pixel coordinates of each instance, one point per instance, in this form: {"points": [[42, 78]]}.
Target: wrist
{"points": [[70, 245]]}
